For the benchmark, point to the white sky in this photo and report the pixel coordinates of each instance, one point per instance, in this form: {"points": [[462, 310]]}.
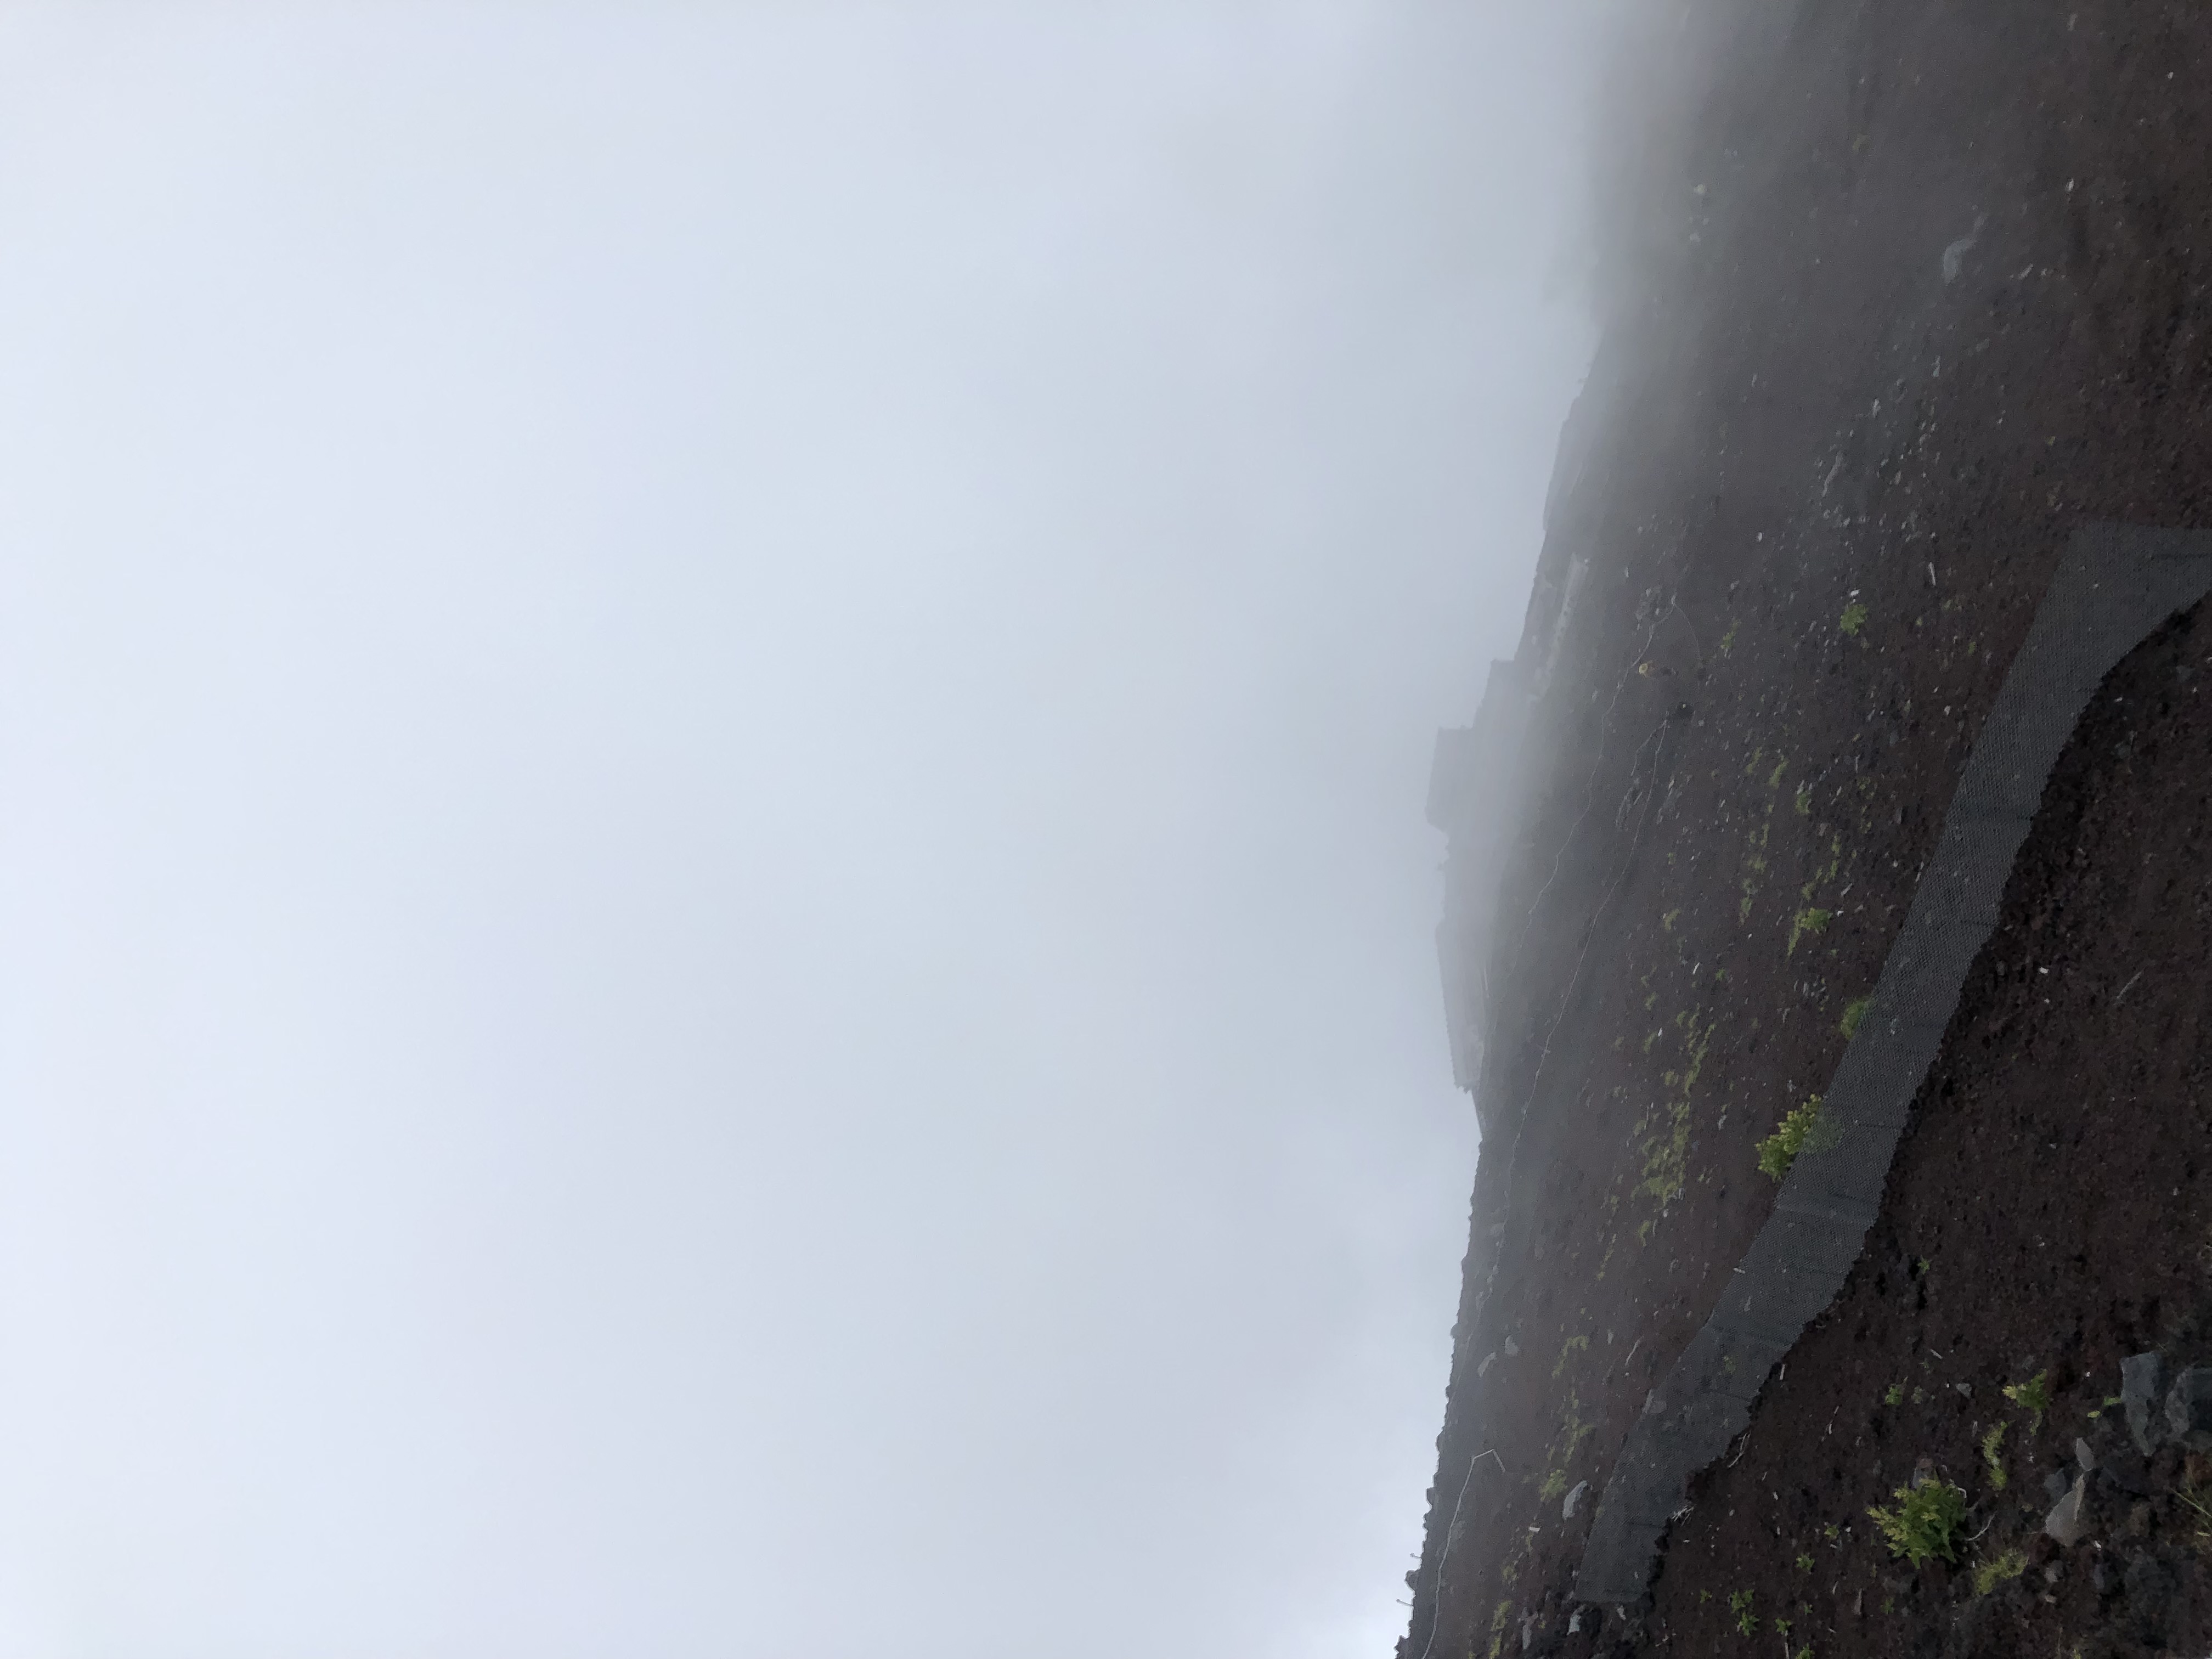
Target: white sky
{"points": [[714, 929]]}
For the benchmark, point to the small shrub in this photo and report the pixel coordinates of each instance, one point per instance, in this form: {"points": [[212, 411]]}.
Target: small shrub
{"points": [[2032, 1396], [1925, 1522], [1854, 618], [1800, 1128], [1854, 1014], [1804, 1563], [1990, 1442], [1989, 1574], [1894, 1394]]}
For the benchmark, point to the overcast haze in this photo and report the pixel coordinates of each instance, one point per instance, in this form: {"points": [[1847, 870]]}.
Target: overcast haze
{"points": [[714, 927]]}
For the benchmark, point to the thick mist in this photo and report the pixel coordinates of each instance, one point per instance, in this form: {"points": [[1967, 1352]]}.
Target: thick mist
{"points": [[715, 934]]}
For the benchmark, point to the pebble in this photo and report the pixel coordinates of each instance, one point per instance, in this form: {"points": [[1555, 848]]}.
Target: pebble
{"points": [[2066, 1522], [1574, 1502]]}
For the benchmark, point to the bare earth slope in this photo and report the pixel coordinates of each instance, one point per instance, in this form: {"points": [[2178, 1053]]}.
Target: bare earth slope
{"points": [[1914, 291]]}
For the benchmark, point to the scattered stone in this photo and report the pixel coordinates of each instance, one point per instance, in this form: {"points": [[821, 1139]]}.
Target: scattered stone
{"points": [[1512, 1349], [1574, 1502], [2055, 1485], [1488, 1360], [2189, 1408], [2082, 1454], [2066, 1522], [2103, 1579], [2139, 1388]]}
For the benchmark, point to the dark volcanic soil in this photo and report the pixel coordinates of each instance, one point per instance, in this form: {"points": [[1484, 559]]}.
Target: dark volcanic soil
{"points": [[1904, 294]]}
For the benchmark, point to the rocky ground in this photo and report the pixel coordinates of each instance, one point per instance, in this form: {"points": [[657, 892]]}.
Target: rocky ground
{"points": [[1901, 295]]}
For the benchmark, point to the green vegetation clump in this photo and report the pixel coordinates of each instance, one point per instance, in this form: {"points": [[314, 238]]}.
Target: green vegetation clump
{"points": [[1894, 1394], [1799, 1129], [1812, 919], [2032, 1396], [1854, 618], [1740, 1605], [1989, 1574], [1926, 1521], [1990, 1442], [1854, 1015]]}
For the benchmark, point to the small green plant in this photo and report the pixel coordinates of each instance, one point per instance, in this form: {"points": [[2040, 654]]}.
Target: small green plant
{"points": [[1925, 1522], [1990, 1442], [1804, 1563], [1799, 1129], [2032, 1396], [1854, 1014], [1804, 801], [1832, 1532], [1740, 1605], [1894, 1394], [1989, 1574], [1811, 920], [1853, 619]]}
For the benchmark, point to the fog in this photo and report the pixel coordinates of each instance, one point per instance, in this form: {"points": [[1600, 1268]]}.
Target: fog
{"points": [[715, 935]]}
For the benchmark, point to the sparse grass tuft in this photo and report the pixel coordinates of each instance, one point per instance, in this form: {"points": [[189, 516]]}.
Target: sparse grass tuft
{"points": [[1854, 1014], [1989, 1574], [1990, 1442], [1811, 920], [2032, 1396], [1853, 619]]}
